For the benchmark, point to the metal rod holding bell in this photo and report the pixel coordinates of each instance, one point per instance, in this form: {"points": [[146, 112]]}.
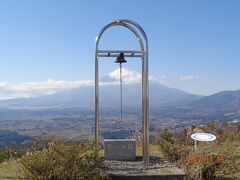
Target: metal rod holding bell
{"points": [[120, 59]]}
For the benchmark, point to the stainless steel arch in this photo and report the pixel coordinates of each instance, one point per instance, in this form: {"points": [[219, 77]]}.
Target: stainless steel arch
{"points": [[115, 23], [131, 25]]}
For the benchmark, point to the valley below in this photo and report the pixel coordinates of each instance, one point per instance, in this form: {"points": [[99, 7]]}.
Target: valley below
{"points": [[78, 124]]}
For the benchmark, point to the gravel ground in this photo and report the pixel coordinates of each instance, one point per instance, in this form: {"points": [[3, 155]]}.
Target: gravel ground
{"points": [[157, 166]]}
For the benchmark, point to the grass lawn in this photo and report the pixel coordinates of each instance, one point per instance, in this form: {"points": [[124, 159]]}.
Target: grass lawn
{"points": [[10, 170]]}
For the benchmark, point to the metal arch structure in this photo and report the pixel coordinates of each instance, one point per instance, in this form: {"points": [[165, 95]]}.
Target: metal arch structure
{"points": [[136, 29]]}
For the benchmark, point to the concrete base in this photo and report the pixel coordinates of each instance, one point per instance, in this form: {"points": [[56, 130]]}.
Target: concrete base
{"points": [[158, 169], [145, 177], [120, 149]]}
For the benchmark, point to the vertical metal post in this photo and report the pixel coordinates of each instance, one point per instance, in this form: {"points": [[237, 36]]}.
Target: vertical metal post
{"points": [[145, 94], [145, 99], [96, 104]]}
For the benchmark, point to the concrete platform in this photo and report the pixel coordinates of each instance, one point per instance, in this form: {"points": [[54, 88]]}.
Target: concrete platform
{"points": [[158, 169]]}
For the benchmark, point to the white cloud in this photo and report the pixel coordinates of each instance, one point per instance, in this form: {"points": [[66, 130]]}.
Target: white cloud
{"points": [[34, 89], [130, 77], [189, 77], [3, 84], [162, 78], [50, 84]]}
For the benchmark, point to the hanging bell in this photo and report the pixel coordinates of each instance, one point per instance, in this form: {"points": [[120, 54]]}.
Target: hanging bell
{"points": [[120, 58]]}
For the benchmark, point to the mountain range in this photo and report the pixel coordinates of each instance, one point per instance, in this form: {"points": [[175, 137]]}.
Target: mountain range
{"points": [[225, 101], [160, 96]]}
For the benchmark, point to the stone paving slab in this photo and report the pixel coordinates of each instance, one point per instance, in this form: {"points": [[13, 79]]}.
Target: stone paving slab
{"points": [[120, 149]]}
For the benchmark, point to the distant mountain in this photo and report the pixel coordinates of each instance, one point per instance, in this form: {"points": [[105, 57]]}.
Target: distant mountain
{"points": [[160, 96], [109, 97], [83, 97], [225, 101]]}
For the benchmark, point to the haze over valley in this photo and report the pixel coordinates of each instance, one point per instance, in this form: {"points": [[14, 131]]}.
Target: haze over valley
{"points": [[69, 114]]}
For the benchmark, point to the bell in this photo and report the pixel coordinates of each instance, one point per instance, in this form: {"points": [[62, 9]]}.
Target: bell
{"points": [[120, 58]]}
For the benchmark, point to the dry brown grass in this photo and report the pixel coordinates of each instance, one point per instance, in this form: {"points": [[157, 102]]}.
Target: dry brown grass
{"points": [[153, 150]]}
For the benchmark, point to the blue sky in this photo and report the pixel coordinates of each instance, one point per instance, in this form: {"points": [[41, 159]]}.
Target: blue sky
{"points": [[195, 45]]}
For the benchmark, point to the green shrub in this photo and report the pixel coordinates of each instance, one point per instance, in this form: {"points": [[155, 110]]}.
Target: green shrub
{"points": [[203, 166], [65, 161], [211, 160], [9, 153], [170, 144]]}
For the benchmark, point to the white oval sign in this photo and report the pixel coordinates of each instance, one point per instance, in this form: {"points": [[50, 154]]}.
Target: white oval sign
{"points": [[203, 137]]}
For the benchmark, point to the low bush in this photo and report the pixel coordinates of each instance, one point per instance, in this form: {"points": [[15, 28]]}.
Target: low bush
{"points": [[9, 153], [65, 161], [209, 160], [172, 145], [167, 145]]}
